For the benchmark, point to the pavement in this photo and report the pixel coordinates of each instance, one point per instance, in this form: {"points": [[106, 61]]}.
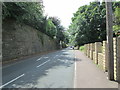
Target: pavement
{"points": [[88, 75], [119, 86]]}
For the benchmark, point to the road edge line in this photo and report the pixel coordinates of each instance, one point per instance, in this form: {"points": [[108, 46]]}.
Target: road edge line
{"points": [[75, 74]]}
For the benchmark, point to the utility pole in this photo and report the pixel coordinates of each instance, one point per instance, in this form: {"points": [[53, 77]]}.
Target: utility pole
{"points": [[109, 25], [0, 43]]}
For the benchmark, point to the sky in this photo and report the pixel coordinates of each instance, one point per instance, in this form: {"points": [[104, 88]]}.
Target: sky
{"points": [[63, 9]]}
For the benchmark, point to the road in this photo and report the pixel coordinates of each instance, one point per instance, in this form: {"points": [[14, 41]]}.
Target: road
{"points": [[53, 70]]}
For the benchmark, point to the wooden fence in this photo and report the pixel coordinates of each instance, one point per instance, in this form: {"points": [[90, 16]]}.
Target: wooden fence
{"points": [[98, 53]]}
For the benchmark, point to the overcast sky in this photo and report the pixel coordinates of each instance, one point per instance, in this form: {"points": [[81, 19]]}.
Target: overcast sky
{"points": [[63, 9]]}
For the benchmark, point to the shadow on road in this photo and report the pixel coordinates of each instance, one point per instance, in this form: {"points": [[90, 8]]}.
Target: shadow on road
{"points": [[64, 59]]}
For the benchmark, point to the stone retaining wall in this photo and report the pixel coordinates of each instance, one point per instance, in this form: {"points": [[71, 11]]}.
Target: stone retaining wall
{"points": [[22, 40]]}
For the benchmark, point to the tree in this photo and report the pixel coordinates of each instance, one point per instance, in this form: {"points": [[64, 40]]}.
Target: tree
{"points": [[60, 29], [89, 24], [51, 28], [31, 13], [116, 26]]}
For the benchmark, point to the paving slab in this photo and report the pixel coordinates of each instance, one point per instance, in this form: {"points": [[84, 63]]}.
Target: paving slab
{"points": [[89, 75]]}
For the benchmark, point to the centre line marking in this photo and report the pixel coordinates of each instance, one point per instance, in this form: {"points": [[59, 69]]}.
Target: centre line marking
{"points": [[45, 57], [43, 63], [12, 81], [39, 59]]}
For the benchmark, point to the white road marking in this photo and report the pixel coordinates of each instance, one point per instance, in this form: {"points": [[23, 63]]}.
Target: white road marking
{"points": [[56, 56], [45, 57], [43, 63], [39, 59], [75, 74], [59, 59], [12, 80]]}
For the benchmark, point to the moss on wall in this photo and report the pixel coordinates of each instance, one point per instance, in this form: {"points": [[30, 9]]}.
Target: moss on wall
{"points": [[20, 40]]}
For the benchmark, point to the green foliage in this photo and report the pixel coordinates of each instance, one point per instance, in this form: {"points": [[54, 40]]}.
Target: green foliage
{"points": [[12, 10], [82, 48], [60, 34], [51, 28], [31, 13], [89, 24], [116, 27]]}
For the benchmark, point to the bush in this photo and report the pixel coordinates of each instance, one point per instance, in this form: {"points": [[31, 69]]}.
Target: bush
{"points": [[81, 48]]}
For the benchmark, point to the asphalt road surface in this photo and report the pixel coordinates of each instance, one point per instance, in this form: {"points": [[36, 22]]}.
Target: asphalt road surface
{"points": [[53, 70]]}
